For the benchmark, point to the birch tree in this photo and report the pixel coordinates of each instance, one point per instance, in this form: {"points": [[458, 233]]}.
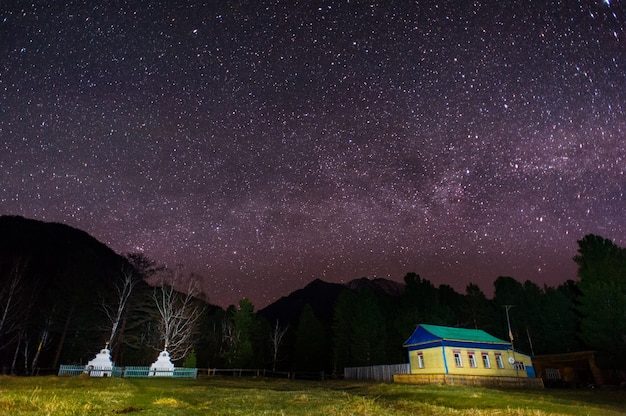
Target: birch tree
{"points": [[178, 314], [277, 334], [42, 342], [115, 312], [230, 339], [9, 297]]}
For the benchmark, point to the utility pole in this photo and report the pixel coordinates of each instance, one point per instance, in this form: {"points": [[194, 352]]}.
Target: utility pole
{"points": [[508, 322]]}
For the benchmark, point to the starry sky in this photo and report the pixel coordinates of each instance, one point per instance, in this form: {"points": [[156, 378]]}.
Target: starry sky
{"points": [[263, 144]]}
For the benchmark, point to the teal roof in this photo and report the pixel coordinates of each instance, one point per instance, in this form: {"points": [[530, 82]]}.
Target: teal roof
{"points": [[460, 334], [427, 334]]}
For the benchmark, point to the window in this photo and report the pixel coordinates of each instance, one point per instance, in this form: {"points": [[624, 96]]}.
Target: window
{"points": [[420, 360], [499, 360], [457, 359], [471, 357], [485, 357]]}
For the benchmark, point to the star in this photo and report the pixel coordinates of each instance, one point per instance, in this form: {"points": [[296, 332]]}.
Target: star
{"points": [[264, 146]]}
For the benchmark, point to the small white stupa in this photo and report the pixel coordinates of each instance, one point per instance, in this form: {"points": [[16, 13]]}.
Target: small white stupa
{"points": [[101, 365], [163, 366]]}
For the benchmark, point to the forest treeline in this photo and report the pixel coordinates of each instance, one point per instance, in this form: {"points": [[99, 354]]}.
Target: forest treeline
{"points": [[63, 295]]}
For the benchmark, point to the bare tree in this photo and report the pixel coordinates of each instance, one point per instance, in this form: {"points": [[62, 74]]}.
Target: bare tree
{"points": [[21, 329], [9, 293], [276, 339], [115, 312], [230, 340], [42, 343], [178, 314]]}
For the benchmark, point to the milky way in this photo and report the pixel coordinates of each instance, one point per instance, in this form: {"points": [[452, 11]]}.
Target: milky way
{"points": [[263, 145]]}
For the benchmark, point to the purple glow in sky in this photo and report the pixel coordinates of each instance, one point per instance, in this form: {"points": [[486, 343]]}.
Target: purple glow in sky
{"points": [[265, 144]]}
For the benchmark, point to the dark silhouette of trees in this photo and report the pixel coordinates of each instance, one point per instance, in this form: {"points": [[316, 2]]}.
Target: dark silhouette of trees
{"points": [[542, 320], [559, 320], [478, 310], [244, 336], [451, 306], [602, 301], [209, 347], [342, 330], [359, 330], [312, 346], [508, 291], [368, 336], [419, 303], [243, 321]]}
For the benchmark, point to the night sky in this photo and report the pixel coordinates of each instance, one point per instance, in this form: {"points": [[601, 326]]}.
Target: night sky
{"points": [[263, 144]]}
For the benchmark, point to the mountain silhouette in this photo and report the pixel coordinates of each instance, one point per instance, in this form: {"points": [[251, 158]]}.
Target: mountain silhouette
{"points": [[60, 276], [321, 296]]}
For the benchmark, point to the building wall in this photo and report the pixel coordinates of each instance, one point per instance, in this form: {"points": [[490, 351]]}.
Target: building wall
{"points": [[458, 380], [434, 362]]}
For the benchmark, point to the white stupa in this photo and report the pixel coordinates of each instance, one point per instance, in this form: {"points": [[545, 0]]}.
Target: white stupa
{"points": [[101, 365], [163, 366]]}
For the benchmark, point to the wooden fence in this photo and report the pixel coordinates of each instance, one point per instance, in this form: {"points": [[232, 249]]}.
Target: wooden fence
{"points": [[382, 373]]}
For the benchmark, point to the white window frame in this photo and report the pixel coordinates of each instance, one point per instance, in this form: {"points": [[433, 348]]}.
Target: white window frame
{"points": [[458, 360], [420, 360], [471, 357], [499, 361], [485, 358]]}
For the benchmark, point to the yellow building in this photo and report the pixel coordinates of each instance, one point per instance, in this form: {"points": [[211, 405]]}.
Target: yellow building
{"points": [[438, 352]]}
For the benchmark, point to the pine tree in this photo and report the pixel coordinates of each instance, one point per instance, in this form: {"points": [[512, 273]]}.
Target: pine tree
{"points": [[311, 345], [367, 335], [602, 274]]}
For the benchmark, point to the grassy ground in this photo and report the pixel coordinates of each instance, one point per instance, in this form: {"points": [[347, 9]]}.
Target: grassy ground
{"points": [[247, 396]]}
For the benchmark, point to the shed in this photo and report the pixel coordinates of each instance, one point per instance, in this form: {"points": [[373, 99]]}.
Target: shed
{"points": [[573, 369]]}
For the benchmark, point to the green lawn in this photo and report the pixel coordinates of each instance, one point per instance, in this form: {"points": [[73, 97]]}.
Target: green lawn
{"points": [[248, 396]]}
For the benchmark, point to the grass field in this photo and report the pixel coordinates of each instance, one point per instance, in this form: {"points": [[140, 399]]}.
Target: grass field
{"points": [[249, 396]]}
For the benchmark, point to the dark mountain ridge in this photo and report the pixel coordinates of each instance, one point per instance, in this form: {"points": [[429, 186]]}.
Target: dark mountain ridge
{"points": [[52, 242], [379, 286], [56, 279], [322, 296]]}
